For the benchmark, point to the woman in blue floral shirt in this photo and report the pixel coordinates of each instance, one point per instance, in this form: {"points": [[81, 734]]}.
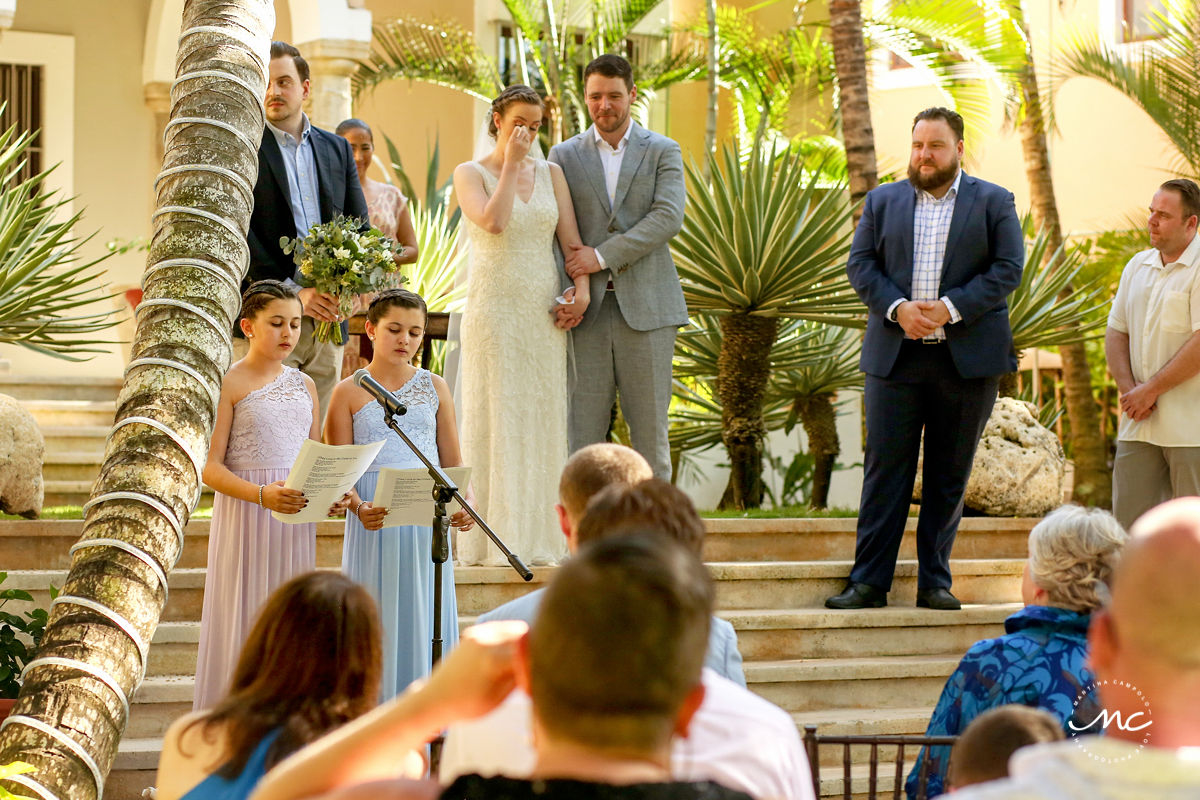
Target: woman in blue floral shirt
{"points": [[1039, 661]]}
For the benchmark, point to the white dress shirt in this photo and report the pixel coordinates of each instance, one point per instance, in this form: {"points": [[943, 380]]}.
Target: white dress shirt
{"points": [[611, 159], [736, 738], [300, 164]]}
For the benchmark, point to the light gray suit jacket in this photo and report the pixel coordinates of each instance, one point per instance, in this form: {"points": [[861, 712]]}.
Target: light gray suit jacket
{"points": [[633, 234]]}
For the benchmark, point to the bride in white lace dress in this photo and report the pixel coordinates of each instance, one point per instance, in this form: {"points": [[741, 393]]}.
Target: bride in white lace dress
{"points": [[514, 354]]}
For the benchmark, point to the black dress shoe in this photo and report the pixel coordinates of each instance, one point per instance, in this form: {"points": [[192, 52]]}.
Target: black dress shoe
{"points": [[858, 595], [940, 599]]}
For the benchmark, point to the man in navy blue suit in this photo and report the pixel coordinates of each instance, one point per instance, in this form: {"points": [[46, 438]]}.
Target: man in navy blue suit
{"points": [[306, 176], [934, 259]]}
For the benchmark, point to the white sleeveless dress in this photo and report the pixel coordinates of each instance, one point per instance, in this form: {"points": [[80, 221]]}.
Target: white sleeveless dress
{"points": [[514, 380]]}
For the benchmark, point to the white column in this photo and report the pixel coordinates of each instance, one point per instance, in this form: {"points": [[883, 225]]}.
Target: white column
{"points": [[331, 63]]}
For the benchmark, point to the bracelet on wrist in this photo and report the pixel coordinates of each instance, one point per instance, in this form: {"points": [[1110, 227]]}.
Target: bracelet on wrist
{"points": [[358, 508], [260, 491]]}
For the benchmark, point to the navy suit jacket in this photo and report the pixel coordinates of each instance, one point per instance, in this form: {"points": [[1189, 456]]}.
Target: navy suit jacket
{"points": [[339, 192], [985, 252]]}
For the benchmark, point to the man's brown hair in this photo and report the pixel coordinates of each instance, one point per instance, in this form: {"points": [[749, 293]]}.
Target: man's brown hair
{"points": [[597, 467], [1189, 195], [982, 752], [619, 642], [282, 49], [651, 503]]}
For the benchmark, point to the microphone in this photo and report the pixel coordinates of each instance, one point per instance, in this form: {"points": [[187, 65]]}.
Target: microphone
{"points": [[391, 404]]}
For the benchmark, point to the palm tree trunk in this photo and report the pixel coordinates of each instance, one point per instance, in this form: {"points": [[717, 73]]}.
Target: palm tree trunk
{"points": [[73, 706], [819, 419], [743, 369], [850, 62], [710, 122], [1093, 481]]}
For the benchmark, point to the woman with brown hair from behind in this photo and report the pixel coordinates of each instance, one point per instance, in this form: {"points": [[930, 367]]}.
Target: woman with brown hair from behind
{"points": [[310, 664]]}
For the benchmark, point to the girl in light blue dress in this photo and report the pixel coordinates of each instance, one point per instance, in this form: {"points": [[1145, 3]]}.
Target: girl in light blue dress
{"points": [[394, 563]]}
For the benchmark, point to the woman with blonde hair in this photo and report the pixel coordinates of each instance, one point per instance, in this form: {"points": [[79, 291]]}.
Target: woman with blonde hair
{"points": [[1040, 661]]}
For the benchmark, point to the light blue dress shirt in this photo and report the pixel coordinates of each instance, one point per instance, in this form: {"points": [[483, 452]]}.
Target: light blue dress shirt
{"points": [[723, 656], [300, 163]]}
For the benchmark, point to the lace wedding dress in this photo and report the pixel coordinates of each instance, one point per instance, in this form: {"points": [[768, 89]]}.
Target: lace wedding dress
{"points": [[394, 563], [514, 380], [250, 553]]}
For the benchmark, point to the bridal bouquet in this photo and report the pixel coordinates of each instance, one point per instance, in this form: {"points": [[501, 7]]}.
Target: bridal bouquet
{"points": [[340, 259]]}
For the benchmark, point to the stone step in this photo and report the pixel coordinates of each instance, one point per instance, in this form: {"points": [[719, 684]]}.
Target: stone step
{"points": [[159, 701], [42, 387], [727, 540], [76, 438], [864, 722], [775, 635], [72, 412], [79, 465], [134, 768], [66, 493], [45, 544], [841, 683], [833, 539]]}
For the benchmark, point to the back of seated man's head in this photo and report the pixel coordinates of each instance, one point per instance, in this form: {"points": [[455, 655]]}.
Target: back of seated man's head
{"points": [[618, 644], [653, 505], [981, 754], [595, 467], [1155, 607]]}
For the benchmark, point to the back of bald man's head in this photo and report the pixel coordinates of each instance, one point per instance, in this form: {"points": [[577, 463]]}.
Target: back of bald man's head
{"points": [[1155, 602], [596, 467]]}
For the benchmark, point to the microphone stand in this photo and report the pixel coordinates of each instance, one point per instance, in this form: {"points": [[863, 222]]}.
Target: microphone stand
{"points": [[444, 490]]}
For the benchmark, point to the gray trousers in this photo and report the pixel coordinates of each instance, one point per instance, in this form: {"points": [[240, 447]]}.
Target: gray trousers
{"points": [[1145, 475], [610, 356], [321, 361]]}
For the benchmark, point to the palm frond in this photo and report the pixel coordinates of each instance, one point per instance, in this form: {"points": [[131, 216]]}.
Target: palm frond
{"points": [[442, 53], [1159, 75]]}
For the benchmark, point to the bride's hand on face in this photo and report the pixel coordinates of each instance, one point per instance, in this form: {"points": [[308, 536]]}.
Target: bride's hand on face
{"points": [[519, 143]]}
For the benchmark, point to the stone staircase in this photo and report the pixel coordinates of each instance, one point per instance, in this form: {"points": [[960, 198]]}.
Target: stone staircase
{"points": [[75, 415], [876, 671]]}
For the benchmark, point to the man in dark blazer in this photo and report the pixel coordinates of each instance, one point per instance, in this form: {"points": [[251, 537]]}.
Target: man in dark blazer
{"points": [[306, 176], [934, 259]]}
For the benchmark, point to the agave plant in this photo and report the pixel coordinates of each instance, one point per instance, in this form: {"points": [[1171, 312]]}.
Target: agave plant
{"points": [[1041, 313], [762, 240], [810, 388], [42, 287], [437, 195], [810, 362]]}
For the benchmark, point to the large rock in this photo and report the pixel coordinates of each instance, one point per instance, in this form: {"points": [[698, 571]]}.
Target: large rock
{"points": [[22, 450], [1019, 466]]}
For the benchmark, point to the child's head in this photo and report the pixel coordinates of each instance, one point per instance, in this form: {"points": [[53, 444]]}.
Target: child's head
{"points": [[268, 300], [261, 294], [981, 754], [388, 299], [396, 325]]}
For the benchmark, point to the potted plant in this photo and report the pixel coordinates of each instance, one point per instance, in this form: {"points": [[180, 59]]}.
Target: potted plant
{"points": [[20, 635]]}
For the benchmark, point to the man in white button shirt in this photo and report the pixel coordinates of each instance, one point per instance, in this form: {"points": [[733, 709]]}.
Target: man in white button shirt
{"points": [[1153, 350]]}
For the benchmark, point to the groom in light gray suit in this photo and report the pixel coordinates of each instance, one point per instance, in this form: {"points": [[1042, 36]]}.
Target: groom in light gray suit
{"points": [[627, 187]]}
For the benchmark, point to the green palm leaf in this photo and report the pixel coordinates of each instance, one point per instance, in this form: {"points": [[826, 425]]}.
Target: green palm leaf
{"points": [[1039, 313], [1160, 76], [441, 53]]}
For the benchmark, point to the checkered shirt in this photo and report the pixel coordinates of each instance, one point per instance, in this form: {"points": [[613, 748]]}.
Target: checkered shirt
{"points": [[931, 227]]}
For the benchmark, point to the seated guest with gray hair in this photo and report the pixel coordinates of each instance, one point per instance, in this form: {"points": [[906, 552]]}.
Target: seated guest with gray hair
{"points": [[1040, 660]]}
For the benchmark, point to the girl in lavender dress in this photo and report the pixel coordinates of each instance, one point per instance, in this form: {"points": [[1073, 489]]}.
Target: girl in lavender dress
{"points": [[394, 563], [265, 413]]}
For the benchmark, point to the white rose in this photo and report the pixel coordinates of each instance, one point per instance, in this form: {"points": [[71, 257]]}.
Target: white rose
{"points": [[341, 252]]}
